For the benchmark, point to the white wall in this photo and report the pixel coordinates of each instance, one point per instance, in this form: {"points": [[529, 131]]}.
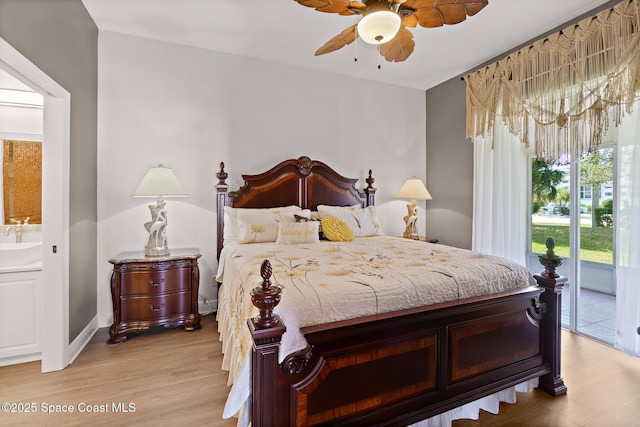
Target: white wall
{"points": [[190, 109], [22, 121]]}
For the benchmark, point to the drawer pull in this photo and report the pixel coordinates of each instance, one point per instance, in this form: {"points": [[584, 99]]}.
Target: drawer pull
{"points": [[155, 284], [152, 308]]}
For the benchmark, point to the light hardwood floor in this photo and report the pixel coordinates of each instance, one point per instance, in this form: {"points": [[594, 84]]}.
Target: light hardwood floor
{"points": [[174, 378], [603, 391]]}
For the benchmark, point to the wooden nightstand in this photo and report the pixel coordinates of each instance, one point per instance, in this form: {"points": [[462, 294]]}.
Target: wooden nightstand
{"points": [[151, 291]]}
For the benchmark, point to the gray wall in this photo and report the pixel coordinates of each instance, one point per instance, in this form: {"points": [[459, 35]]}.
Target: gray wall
{"points": [[449, 166], [61, 39]]}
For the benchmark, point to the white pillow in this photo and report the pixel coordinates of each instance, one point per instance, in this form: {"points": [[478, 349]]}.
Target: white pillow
{"points": [[362, 221], [291, 233], [232, 225], [260, 227]]}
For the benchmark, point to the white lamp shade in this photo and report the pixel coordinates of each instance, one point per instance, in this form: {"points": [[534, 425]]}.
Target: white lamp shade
{"points": [[159, 181], [414, 188], [379, 27]]}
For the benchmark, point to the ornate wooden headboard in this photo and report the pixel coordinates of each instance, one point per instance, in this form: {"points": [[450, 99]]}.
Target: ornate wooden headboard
{"points": [[303, 182]]}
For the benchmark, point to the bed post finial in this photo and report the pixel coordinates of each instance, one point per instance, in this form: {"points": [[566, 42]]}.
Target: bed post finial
{"points": [[266, 298], [550, 260], [551, 383], [370, 180], [266, 330], [222, 175]]}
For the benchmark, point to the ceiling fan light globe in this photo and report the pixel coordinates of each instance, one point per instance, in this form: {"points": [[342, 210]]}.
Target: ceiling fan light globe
{"points": [[379, 27]]}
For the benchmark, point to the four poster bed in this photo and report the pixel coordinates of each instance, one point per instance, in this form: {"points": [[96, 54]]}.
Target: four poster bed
{"points": [[342, 332]]}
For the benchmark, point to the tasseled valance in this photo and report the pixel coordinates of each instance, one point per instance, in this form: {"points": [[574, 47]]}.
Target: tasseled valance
{"points": [[563, 91]]}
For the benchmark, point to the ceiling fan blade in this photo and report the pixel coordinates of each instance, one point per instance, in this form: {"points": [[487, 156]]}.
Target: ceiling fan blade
{"points": [[357, 5], [346, 37], [410, 21], [452, 13], [354, 8], [436, 13], [329, 6], [429, 17], [398, 49], [473, 6]]}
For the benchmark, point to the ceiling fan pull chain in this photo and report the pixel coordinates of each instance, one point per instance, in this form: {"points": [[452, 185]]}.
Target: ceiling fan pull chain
{"points": [[379, 56], [355, 58]]}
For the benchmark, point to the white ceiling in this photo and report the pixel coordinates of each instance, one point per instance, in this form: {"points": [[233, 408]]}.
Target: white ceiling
{"points": [[283, 31]]}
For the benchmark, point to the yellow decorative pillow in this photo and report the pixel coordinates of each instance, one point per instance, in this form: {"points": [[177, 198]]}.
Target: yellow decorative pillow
{"points": [[362, 221], [336, 229]]}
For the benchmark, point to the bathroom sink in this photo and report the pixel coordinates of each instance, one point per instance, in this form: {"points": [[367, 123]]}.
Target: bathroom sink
{"points": [[20, 254]]}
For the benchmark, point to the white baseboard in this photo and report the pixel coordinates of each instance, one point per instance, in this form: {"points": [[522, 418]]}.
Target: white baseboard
{"points": [[83, 338], [24, 358]]}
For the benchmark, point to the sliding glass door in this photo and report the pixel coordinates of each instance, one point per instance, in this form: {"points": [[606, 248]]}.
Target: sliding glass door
{"points": [[583, 235]]}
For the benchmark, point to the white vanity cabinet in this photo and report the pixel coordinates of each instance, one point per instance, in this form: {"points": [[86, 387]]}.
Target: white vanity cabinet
{"points": [[20, 316]]}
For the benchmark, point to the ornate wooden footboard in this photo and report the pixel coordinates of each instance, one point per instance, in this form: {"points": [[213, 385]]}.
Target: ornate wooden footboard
{"points": [[392, 368], [402, 367]]}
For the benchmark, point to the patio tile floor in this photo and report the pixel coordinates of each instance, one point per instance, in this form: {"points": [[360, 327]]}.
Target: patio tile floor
{"points": [[596, 314]]}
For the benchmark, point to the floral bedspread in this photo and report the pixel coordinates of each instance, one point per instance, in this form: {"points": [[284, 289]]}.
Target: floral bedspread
{"points": [[330, 281]]}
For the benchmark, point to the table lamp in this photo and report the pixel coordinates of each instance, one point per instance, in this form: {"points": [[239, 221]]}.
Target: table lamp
{"points": [[158, 182], [413, 189]]}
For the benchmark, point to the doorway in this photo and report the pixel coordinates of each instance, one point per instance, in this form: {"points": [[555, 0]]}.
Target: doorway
{"points": [[55, 204]]}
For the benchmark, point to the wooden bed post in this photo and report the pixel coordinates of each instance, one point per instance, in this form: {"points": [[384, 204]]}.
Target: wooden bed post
{"points": [[266, 329], [370, 190], [550, 325], [222, 188]]}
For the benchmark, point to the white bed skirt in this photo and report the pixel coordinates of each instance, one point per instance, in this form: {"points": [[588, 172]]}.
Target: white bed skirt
{"points": [[471, 410]]}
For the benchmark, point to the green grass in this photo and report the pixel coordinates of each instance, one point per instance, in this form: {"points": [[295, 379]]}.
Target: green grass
{"points": [[596, 244]]}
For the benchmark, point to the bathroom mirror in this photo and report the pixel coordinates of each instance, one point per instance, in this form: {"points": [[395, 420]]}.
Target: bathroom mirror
{"points": [[22, 181], [21, 129]]}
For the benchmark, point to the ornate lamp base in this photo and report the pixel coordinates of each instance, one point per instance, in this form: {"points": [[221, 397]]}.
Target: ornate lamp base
{"points": [[411, 230], [154, 252], [157, 244]]}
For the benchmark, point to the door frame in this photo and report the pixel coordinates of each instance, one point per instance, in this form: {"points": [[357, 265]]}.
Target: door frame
{"points": [[55, 204]]}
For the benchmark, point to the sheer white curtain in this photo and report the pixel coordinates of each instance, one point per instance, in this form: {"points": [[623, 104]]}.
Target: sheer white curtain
{"points": [[500, 195], [627, 223]]}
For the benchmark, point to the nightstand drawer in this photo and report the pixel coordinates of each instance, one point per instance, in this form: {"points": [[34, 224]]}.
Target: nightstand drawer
{"points": [[155, 282], [155, 307]]}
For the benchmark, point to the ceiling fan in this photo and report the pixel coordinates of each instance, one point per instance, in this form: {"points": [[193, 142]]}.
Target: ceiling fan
{"points": [[384, 22]]}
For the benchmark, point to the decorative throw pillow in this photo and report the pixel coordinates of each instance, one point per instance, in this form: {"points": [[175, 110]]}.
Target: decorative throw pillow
{"points": [[260, 227], [291, 233], [232, 224], [314, 217], [362, 221], [336, 230]]}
